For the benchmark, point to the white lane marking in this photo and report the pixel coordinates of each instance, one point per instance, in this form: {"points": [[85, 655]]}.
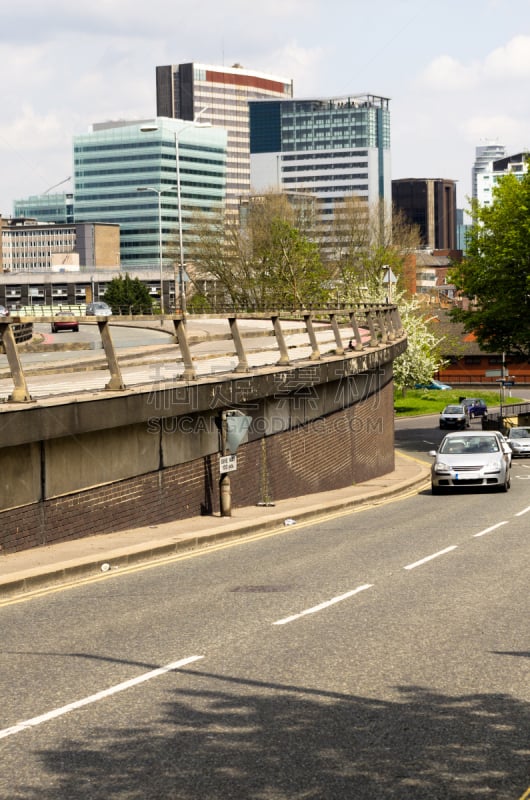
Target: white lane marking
{"points": [[524, 511], [492, 528], [430, 558], [93, 698], [321, 606]]}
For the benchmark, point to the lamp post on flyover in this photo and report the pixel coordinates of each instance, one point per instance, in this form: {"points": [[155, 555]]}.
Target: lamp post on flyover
{"points": [[159, 193], [194, 124]]}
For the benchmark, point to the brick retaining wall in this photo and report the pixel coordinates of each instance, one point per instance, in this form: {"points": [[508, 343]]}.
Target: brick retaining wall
{"points": [[337, 450]]}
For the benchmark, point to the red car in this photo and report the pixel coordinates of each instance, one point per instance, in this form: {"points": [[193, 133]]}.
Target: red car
{"points": [[64, 321]]}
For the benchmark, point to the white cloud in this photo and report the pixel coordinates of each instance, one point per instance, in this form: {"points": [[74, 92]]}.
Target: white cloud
{"points": [[497, 127], [447, 74], [510, 61]]}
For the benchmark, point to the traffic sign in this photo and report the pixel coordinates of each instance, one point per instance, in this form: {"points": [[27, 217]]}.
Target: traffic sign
{"points": [[227, 463]]}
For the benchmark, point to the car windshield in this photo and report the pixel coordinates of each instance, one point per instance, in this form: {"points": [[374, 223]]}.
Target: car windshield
{"points": [[476, 444], [520, 433], [453, 410]]}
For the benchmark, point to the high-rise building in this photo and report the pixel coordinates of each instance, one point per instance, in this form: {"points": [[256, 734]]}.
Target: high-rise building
{"points": [[484, 155], [169, 161], [221, 96], [429, 203], [488, 178], [332, 148]]}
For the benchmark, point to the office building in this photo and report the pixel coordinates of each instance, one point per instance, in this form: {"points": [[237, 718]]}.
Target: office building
{"points": [[489, 177], [333, 148], [58, 207], [30, 246], [484, 155], [134, 174], [220, 95], [429, 203]]}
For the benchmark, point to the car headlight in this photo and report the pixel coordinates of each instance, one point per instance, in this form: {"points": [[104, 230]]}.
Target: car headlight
{"points": [[439, 466], [494, 466]]}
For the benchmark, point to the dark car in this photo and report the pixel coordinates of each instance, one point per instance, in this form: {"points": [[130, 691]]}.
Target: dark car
{"points": [[65, 321], [476, 407]]}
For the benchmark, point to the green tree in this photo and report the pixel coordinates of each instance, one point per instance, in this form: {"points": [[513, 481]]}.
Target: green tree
{"points": [[126, 295], [363, 242], [495, 273], [268, 258]]}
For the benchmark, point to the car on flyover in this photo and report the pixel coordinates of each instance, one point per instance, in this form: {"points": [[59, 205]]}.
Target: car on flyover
{"points": [[98, 309], [434, 385], [454, 416], [471, 459], [65, 321], [518, 440]]}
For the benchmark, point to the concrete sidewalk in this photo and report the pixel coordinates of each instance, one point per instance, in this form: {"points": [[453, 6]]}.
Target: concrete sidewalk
{"points": [[58, 564]]}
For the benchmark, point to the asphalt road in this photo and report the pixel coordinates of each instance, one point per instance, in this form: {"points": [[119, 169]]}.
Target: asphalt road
{"points": [[380, 654]]}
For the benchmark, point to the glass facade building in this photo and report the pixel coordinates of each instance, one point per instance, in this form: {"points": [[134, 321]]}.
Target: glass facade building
{"points": [[58, 207], [330, 147], [221, 96], [116, 159]]}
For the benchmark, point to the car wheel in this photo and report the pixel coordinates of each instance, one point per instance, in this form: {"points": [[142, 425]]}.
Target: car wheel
{"points": [[505, 486], [436, 489]]}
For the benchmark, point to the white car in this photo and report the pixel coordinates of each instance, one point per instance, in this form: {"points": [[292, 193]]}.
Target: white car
{"points": [[454, 416], [471, 458], [98, 309]]}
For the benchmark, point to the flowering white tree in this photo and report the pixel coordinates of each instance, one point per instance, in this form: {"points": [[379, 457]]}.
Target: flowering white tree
{"points": [[422, 357]]}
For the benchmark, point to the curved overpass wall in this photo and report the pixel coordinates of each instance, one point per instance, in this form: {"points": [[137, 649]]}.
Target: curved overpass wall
{"points": [[151, 455]]}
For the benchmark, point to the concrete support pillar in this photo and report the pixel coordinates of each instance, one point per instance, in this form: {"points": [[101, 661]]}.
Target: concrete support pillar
{"points": [[189, 373], [339, 349], [280, 339], [20, 392], [371, 326], [315, 351], [116, 383], [242, 365], [380, 316], [356, 331]]}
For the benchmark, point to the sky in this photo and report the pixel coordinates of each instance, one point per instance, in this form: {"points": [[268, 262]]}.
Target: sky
{"points": [[457, 72]]}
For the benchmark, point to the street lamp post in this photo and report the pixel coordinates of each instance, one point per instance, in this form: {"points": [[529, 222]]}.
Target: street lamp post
{"points": [[181, 272], [182, 287], [158, 192]]}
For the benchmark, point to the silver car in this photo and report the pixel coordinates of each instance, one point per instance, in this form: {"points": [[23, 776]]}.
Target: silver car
{"points": [[471, 458], [98, 309], [454, 416], [519, 441]]}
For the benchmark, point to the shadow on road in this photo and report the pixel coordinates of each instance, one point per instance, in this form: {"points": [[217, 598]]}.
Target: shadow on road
{"points": [[265, 741]]}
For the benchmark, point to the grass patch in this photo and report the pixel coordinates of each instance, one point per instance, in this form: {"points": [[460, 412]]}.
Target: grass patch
{"points": [[428, 401]]}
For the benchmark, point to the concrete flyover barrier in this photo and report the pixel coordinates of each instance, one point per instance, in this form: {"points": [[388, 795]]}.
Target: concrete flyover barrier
{"points": [[80, 462]]}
